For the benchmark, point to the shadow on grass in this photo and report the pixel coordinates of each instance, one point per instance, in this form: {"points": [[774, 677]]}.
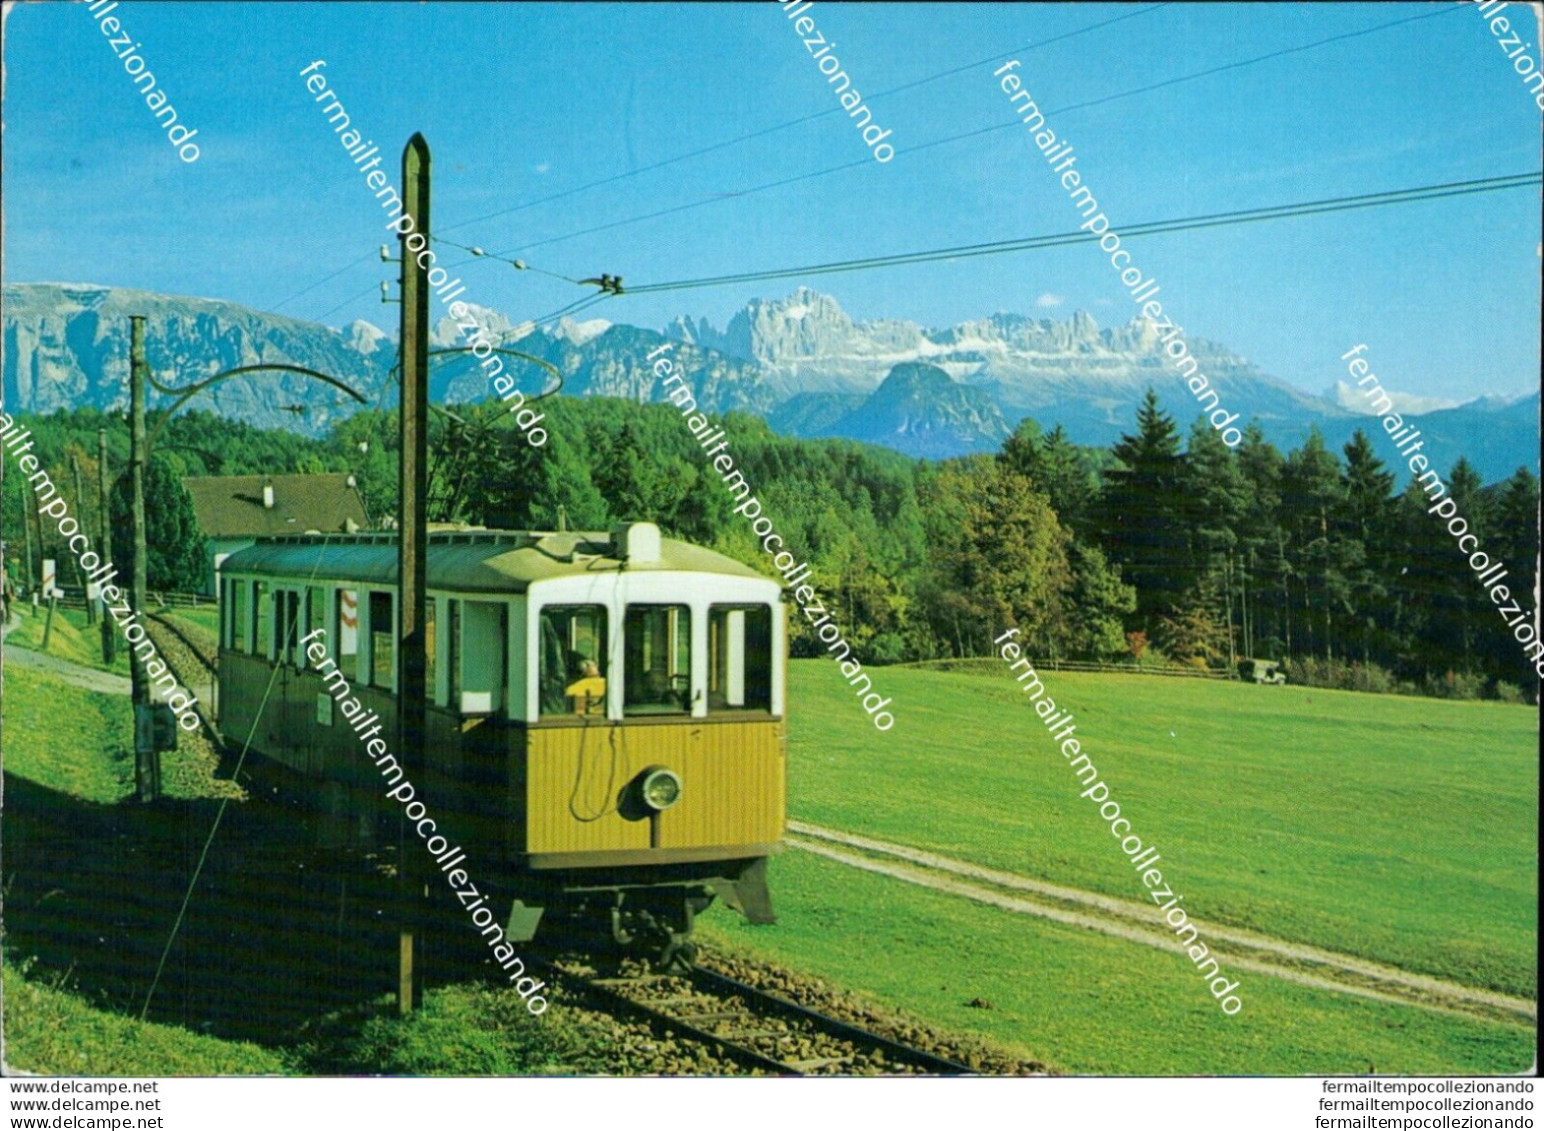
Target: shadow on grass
{"points": [[277, 932]]}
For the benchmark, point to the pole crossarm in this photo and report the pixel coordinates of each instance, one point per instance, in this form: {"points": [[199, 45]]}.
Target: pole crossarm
{"points": [[443, 411], [543, 362], [188, 391]]}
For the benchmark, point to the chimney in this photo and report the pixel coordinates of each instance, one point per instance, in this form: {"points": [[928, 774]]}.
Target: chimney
{"points": [[268, 496]]}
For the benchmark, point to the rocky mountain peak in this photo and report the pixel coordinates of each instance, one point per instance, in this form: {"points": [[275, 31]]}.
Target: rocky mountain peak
{"points": [[364, 337]]}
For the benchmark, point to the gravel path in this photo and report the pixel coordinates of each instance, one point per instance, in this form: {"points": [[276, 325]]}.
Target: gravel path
{"points": [[79, 675], [1347, 974]]}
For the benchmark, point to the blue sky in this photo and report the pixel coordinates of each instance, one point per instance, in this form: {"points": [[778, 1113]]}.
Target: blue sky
{"points": [[521, 101]]}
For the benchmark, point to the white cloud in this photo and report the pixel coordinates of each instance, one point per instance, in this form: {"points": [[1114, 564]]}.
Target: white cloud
{"points": [[543, 169], [1049, 299], [1349, 397]]}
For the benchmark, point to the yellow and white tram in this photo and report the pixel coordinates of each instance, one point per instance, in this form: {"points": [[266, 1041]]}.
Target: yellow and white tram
{"points": [[605, 716]]}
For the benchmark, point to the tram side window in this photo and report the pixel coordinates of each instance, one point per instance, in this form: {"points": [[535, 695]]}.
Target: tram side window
{"points": [[739, 658], [316, 618], [483, 648], [658, 642], [262, 620], [429, 649], [236, 596], [287, 605], [345, 633], [573, 660], [383, 640]]}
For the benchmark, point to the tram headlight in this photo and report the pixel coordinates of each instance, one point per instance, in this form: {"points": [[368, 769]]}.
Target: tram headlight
{"points": [[660, 788]]}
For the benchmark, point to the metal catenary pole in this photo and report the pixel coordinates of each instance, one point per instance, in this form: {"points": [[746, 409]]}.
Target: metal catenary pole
{"points": [[26, 529], [80, 501], [146, 772], [36, 514], [412, 556], [104, 503]]}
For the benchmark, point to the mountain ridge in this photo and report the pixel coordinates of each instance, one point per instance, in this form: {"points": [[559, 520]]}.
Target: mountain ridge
{"points": [[801, 362]]}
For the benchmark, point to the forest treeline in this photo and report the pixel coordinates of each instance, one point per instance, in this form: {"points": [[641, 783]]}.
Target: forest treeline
{"points": [[1164, 548]]}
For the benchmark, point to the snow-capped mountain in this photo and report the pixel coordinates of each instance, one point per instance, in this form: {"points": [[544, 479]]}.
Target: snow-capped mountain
{"points": [[1087, 378], [801, 362], [67, 345]]}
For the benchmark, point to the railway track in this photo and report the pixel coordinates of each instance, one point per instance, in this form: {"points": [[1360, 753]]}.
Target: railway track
{"points": [[198, 651], [192, 662], [746, 1025], [734, 1023]]}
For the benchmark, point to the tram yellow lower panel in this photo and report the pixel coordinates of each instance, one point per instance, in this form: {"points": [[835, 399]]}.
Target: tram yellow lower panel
{"points": [[732, 786]]}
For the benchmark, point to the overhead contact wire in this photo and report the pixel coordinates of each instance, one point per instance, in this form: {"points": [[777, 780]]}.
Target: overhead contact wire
{"points": [[976, 132], [1156, 227], [729, 143]]}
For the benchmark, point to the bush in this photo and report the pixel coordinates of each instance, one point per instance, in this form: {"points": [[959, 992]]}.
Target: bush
{"points": [[885, 648], [1455, 685], [1310, 671], [1154, 657], [1509, 692], [1370, 678]]}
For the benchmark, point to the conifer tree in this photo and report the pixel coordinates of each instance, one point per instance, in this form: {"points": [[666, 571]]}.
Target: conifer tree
{"points": [[1141, 507]]}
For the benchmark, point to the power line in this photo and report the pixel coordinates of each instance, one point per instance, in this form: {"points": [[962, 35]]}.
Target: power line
{"points": [[478, 253], [800, 121], [501, 256], [219, 815], [352, 298], [1264, 58], [977, 132], [319, 282], [1150, 228]]}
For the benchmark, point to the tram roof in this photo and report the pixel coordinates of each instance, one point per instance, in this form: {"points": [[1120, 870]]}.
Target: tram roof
{"points": [[494, 561]]}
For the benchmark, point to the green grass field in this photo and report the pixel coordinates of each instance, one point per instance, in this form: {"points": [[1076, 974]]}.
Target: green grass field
{"points": [[1403, 830], [463, 1030], [1082, 1002], [66, 750], [64, 738], [72, 638], [205, 618], [81, 744], [1399, 829], [55, 1032]]}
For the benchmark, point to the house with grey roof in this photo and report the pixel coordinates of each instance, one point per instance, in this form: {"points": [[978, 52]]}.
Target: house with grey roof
{"points": [[235, 510]]}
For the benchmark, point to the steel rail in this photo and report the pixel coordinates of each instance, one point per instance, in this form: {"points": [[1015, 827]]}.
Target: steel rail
{"points": [[755, 1002]]}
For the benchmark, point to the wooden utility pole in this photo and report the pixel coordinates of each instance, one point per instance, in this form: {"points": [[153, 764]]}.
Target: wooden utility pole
{"points": [[104, 503], [80, 575], [146, 761], [412, 554]]}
